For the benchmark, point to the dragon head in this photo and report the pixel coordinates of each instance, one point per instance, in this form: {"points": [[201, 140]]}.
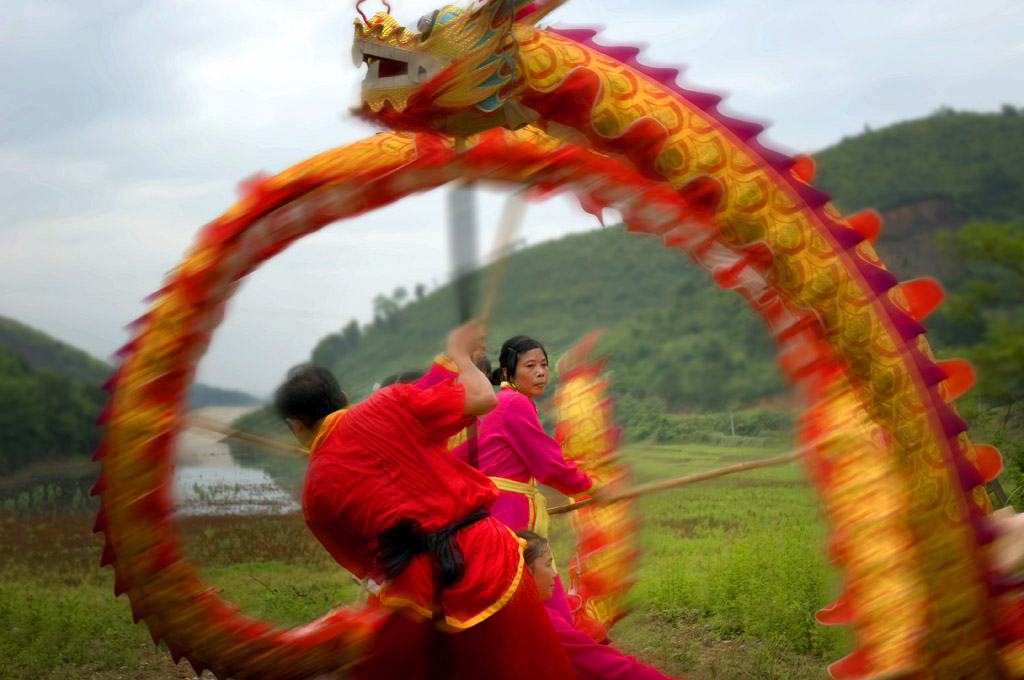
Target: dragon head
{"points": [[453, 74]]}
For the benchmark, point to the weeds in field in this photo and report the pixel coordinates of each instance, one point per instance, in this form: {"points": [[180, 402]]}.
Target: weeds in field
{"points": [[45, 499], [746, 554], [731, 573]]}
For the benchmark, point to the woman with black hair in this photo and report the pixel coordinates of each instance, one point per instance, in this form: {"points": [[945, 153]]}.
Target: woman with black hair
{"points": [[513, 449]]}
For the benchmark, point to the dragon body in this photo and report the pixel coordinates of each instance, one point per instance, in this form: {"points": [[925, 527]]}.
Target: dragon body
{"points": [[830, 303], [147, 392], [901, 483]]}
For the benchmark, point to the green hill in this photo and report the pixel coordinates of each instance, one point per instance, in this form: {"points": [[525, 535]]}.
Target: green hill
{"points": [[670, 333], [43, 351], [44, 416], [40, 350], [974, 158], [50, 396], [674, 335]]}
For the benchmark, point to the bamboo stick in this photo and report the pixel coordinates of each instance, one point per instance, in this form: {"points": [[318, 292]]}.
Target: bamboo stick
{"points": [[220, 428], [632, 492], [511, 220], [650, 487]]}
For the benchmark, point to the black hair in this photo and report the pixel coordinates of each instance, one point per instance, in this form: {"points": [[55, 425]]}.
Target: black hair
{"points": [[308, 394], [509, 357], [535, 544]]}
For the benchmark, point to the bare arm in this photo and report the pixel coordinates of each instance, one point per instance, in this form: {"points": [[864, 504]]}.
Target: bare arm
{"points": [[463, 344]]}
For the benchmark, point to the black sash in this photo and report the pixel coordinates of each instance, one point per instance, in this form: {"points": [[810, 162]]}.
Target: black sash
{"points": [[398, 544]]}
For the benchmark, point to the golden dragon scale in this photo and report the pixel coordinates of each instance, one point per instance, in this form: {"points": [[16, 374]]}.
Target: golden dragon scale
{"points": [[899, 480], [147, 392], [908, 514]]}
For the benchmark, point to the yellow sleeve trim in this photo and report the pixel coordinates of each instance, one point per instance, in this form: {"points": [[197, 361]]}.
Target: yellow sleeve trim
{"points": [[443, 361], [452, 624]]}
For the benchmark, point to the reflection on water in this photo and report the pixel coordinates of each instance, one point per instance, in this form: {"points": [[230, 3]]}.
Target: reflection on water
{"points": [[209, 479], [228, 490]]}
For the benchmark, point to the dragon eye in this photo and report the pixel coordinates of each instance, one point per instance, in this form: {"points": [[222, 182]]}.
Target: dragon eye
{"points": [[426, 23]]}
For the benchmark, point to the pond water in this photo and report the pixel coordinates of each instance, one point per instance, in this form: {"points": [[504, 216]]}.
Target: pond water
{"points": [[208, 479], [233, 490]]}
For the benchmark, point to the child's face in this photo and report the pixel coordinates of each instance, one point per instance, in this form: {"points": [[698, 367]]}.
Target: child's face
{"points": [[543, 570]]}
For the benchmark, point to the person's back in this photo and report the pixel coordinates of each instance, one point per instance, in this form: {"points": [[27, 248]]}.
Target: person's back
{"points": [[393, 444], [372, 442], [385, 500]]}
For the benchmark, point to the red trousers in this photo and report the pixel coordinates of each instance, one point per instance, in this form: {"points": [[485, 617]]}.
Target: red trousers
{"points": [[516, 643]]}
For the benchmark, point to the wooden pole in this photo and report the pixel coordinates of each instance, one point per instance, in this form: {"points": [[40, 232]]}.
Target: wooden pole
{"points": [[650, 487], [214, 426], [511, 219]]}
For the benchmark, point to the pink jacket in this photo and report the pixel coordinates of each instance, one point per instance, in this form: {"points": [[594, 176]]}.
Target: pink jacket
{"points": [[511, 443], [594, 661]]}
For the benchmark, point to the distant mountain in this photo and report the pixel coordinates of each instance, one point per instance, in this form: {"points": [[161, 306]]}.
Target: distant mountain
{"points": [[40, 350], [673, 334], [200, 396]]}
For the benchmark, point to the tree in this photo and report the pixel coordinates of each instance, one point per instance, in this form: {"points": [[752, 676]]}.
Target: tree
{"points": [[990, 300], [400, 295], [351, 334], [384, 309], [421, 291]]}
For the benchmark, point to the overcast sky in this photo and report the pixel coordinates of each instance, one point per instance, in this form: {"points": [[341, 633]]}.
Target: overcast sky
{"points": [[125, 125]]}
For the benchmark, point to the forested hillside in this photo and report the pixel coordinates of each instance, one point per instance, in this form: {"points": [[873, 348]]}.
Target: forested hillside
{"points": [[652, 300], [974, 158], [50, 396], [44, 415], [39, 350]]}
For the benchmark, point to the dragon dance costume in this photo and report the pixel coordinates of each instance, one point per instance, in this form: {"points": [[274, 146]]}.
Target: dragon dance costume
{"points": [[484, 93], [593, 660], [381, 466]]}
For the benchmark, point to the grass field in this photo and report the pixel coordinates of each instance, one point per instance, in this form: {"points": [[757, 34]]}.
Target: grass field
{"points": [[727, 584]]}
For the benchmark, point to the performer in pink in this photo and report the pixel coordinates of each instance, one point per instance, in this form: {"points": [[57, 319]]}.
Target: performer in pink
{"points": [[513, 449], [590, 660]]}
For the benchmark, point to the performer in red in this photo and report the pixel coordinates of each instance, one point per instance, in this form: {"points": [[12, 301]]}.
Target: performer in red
{"points": [[387, 501]]}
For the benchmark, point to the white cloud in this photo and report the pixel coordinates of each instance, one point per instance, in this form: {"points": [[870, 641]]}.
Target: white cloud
{"points": [[190, 97]]}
